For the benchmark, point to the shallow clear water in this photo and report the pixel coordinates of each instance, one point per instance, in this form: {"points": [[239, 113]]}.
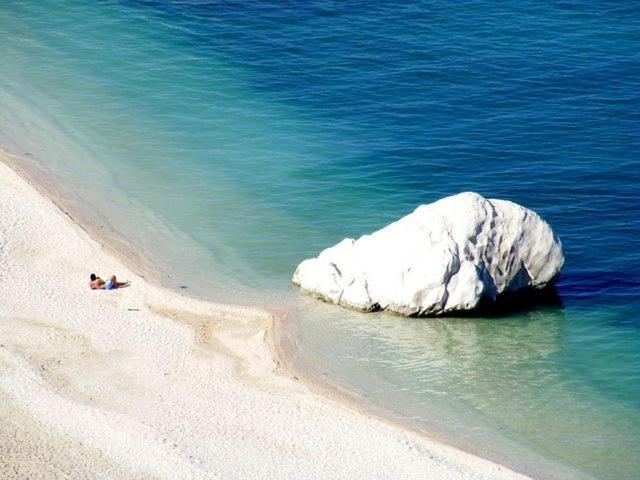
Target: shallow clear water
{"points": [[231, 140]]}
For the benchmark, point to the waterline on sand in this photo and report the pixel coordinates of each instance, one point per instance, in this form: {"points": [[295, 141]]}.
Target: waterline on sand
{"points": [[177, 377]]}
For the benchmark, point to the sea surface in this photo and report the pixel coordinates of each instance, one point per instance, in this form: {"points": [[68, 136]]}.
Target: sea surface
{"points": [[228, 141]]}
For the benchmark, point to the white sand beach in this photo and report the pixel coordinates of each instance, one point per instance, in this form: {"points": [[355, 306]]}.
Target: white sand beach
{"points": [[145, 383]]}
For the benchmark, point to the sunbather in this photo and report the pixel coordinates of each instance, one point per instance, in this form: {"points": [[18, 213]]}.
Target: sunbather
{"points": [[96, 283]]}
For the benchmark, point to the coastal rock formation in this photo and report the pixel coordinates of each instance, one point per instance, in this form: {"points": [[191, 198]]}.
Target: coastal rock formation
{"points": [[449, 256]]}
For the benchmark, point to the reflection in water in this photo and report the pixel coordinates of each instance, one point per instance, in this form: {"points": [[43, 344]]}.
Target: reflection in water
{"points": [[487, 381]]}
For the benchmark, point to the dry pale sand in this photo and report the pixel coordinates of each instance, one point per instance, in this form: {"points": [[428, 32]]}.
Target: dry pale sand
{"points": [[145, 383]]}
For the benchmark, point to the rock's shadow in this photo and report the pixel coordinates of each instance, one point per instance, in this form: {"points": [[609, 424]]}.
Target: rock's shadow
{"points": [[516, 302], [602, 287], [607, 286]]}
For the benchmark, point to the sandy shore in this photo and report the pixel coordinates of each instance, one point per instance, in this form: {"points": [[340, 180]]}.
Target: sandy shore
{"points": [[145, 383]]}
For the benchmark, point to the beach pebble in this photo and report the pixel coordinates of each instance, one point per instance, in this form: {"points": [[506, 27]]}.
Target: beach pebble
{"points": [[452, 255]]}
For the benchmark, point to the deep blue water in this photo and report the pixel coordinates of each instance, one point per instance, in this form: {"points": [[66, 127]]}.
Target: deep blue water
{"points": [[254, 134]]}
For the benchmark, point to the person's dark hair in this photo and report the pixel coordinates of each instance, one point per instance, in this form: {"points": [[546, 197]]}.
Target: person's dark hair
{"points": [[92, 277]]}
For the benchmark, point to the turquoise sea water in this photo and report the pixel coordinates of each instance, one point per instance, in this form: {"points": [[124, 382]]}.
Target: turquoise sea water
{"points": [[228, 141]]}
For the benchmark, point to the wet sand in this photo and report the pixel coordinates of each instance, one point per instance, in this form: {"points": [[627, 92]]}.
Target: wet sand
{"points": [[143, 382]]}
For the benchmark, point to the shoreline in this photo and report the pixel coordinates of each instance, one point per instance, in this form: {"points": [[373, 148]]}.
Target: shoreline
{"points": [[265, 324], [105, 235], [279, 339], [296, 368]]}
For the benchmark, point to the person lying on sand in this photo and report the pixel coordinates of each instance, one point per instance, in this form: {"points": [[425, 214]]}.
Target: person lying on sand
{"points": [[96, 283]]}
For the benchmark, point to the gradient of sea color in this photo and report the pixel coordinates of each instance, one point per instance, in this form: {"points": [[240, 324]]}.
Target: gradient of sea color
{"points": [[230, 140]]}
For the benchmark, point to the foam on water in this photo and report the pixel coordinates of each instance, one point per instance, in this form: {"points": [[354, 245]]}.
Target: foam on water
{"points": [[230, 141]]}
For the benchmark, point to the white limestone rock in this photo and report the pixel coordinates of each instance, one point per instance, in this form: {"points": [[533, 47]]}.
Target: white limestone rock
{"points": [[444, 257]]}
